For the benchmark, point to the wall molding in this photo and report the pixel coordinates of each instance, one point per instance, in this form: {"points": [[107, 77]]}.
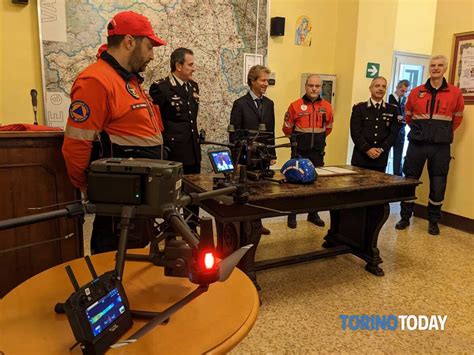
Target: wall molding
{"points": [[448, 219]]}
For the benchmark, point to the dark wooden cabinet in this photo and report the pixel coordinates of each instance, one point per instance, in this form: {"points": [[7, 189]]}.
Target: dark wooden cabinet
{"points": [[32, 175]]}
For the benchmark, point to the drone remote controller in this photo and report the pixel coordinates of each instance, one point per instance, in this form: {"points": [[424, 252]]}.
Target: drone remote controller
{"points": [[98, 312]]}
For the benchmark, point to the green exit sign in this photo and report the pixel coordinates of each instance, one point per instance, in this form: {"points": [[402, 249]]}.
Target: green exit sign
{"points": [[373, 70]]}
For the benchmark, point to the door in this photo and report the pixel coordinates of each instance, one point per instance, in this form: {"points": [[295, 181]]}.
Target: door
{"points": [[415, 69]]}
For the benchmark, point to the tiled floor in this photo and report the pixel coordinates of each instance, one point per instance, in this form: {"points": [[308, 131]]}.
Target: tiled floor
{"points": [[424, 275]]}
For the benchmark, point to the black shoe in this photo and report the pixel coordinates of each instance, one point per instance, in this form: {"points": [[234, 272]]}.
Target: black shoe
{"points": [[265, 231], [315, 219], [433, 228], [291, 223], [402, 224]]}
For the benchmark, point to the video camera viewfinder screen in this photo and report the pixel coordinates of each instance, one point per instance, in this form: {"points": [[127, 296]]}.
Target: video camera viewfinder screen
{"points": [[221, 161]]}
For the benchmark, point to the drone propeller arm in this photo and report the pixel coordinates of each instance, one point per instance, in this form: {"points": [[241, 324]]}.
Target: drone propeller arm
{"points": [[180, 227], [226, 267], [284, 145], [72, 210], [228, 145], [193, 198], [166, 314]]}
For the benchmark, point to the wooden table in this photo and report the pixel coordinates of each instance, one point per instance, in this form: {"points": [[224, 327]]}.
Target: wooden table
{"points": [[358, 205], [216, 321]]}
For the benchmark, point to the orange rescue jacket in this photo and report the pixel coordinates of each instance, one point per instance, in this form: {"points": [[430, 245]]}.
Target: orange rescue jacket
{"points": [[102, 99], [433, 115], [308, 117]]}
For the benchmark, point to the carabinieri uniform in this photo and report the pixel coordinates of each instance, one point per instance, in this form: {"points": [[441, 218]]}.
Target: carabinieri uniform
{"points": [[373, 127]]}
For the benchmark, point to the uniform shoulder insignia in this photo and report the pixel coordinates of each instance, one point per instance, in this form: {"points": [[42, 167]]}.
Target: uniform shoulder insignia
{"points": [[160, 81], [79, 111]]}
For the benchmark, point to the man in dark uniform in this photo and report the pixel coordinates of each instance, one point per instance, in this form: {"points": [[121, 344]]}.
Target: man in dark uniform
{"points": [[253, 109], [434, 110], [374, 128], [177, 95], [398, 99]]}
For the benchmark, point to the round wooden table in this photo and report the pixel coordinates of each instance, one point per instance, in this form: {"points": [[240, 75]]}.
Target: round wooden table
{"points": [[216, 321]]}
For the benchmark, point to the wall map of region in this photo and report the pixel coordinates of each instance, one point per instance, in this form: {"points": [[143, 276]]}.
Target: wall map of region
{"points": [[218, 31]]}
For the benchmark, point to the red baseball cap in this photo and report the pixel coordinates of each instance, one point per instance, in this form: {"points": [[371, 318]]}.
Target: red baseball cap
{"points": [[131, 23]]}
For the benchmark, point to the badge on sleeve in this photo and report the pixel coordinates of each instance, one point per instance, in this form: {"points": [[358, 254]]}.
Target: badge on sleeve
{"points": [[79, 111], [131, 90]]}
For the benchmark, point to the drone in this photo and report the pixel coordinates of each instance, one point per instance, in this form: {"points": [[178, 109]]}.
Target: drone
{"points": [[248, 150], [98, 312]]}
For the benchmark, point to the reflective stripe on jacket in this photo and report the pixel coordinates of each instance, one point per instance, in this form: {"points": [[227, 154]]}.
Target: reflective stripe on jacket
{"points": [[432, 114], [104, 99], [312, 120]]}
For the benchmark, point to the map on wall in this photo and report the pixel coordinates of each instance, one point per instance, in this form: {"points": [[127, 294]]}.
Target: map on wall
{"points": [[218, 31]]}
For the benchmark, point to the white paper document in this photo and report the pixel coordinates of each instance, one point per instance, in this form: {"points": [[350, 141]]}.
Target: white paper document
{"points": [[338, 170], [333, 171]]}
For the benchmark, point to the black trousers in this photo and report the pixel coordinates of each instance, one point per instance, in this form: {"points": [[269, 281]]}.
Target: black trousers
{"points": [[193, 209], [375, 168], [106, 233], [438, 157], [398, 151], [317, 158]]}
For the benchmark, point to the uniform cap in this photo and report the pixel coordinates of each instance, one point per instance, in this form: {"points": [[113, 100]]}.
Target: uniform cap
{"points": [[131, 23]]}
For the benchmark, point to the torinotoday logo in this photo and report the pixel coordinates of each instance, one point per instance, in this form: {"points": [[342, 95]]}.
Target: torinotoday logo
{"points": [[392, 322]]}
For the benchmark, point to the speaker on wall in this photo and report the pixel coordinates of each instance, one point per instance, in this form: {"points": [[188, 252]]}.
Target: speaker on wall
{"points": [[277, 26], [21, 2]]}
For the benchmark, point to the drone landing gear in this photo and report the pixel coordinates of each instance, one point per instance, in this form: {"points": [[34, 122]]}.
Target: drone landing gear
{"points": [[266, 175], [157, 318], [219, 183], [153, 318]]}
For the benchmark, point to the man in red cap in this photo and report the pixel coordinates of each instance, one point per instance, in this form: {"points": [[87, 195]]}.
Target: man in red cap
{"points": [[111, 115]]}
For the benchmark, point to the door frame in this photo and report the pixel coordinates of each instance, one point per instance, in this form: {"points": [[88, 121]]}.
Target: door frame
{"points": [[393, 83]]}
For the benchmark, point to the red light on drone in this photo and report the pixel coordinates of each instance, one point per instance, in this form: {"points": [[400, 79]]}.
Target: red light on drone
{"points": [[209, 261]]}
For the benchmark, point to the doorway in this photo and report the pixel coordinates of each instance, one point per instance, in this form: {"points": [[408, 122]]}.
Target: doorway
{"points": [[414, 68]]}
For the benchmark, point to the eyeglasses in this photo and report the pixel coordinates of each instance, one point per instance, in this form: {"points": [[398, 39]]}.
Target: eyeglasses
{"points": [[313, 86]]}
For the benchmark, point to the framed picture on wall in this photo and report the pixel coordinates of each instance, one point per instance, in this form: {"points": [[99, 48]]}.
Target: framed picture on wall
{"points": [[462, 68]]}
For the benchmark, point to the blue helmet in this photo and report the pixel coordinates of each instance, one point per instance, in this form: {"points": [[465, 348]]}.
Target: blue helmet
{"points": [[299, 170]]}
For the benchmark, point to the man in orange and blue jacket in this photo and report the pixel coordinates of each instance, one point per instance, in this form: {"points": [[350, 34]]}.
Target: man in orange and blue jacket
{"points": [[433, 112], [308, 121], [111, 115]]}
